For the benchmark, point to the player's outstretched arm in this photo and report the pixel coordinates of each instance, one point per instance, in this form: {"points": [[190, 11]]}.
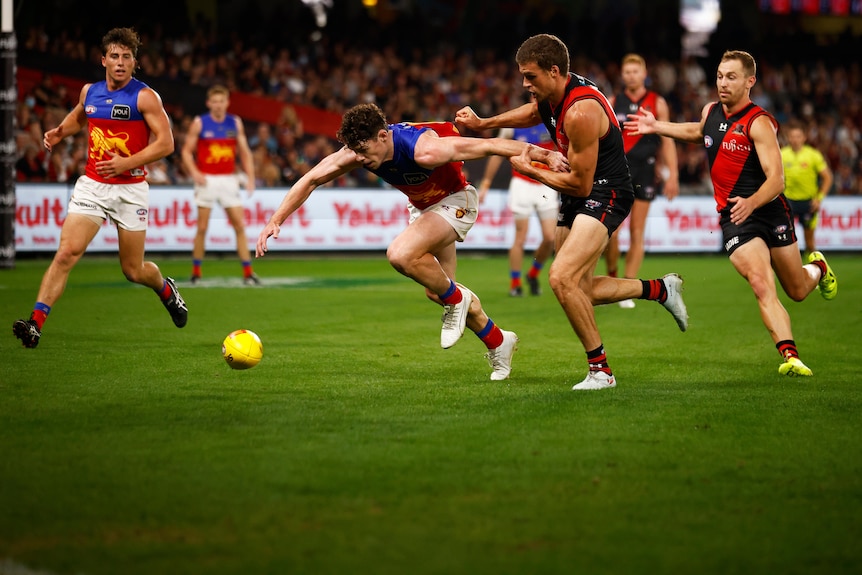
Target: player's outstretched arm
{"points": [[332, 166]]}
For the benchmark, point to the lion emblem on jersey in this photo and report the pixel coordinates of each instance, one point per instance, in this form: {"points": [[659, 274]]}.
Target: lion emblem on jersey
{"points": [[103, 142]]}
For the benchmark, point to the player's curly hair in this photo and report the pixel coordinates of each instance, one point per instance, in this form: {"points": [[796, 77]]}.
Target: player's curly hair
{"points": [[125, 37], [361, 123], [546, 50]]}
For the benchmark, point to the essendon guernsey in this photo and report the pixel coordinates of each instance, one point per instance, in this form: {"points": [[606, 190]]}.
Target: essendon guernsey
{"points": [[612, 169], [115, 125], [733, 161], [638, 147]]}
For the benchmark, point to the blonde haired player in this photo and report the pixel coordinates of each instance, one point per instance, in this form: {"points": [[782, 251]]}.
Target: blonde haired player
{"points": [[212, 145]]}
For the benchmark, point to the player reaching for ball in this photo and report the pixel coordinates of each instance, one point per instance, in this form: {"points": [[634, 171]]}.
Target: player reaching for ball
{"points": [[424, 161]]}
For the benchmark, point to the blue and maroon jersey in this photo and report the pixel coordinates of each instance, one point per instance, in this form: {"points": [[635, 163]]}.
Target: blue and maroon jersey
{"points": [[733, 161], [424, 187], [115, 125], [538, 136], [216, 153], [612, 169]]}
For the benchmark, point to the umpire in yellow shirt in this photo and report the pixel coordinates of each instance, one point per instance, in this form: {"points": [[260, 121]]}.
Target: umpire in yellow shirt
{"points": [[803, 164]]}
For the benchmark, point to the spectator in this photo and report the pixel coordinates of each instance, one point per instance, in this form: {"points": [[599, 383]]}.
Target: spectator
{"points": [[31, 167]]}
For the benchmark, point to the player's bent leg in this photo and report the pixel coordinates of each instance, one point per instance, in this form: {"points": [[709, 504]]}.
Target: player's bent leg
{"points": [[797, 280]]}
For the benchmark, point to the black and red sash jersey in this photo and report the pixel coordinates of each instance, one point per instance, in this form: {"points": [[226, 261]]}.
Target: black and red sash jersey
{"points": [[612, 169], [733, 162], [638, 147]]}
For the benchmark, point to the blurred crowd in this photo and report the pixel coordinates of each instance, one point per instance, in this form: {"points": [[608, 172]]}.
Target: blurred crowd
{"points": [[421, 85]]}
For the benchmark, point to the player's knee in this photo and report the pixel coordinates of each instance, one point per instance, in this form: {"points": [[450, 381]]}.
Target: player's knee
{"points": [[760, 286], [399, 259], [797, 292]]}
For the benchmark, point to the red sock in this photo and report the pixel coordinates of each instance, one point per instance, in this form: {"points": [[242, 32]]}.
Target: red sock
{"points": [[452, 295], [491, 335], [654, 290], [165, 292], [598, 360], [787, 349], [39, 317]]}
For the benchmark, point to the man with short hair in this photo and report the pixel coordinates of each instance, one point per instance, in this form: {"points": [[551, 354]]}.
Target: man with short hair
{"points": [[424, 161], [756, 221], [128, 128], [213, 142], [803, 166], [596, 193]]}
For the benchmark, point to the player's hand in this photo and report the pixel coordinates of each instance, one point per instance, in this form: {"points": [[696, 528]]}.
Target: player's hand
{"points": [[468, 118], [271, 229], [51, 137], [742, 208], [556, 161], [483, 192], [199, 179], [641, 123], [249, 187], [112, 167], [671, 188], [522, 163]]}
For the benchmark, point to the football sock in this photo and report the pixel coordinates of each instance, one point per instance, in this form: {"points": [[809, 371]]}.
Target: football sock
{"points": [[516, 278], [196, 268], [612, 273], [822, 265], [535, 269], [654, 290], [40, 314], [165, 292], [246, 268], [598, 360], [452, 295], [787, 349], [491, 335]]}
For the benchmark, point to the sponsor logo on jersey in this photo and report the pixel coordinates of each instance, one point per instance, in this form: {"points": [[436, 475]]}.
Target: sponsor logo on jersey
{"points": [[121, 112]]}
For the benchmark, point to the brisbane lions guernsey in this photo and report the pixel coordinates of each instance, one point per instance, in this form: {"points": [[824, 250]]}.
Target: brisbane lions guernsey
{"points": [[216, 153], [733, 162], [424, 187], [538, 136], [612, 169], [115, 125]]}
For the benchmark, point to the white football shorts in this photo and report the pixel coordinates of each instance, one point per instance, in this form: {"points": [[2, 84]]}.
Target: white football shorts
{"points": [[459, 209], [527, 197], [221, 189], [127, 205]]}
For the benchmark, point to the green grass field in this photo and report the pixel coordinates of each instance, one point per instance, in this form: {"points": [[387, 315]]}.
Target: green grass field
{"points": [[128, 446]]}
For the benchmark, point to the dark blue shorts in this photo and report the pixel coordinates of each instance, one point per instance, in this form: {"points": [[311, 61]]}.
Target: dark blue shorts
{"points": [[802, 212]]}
